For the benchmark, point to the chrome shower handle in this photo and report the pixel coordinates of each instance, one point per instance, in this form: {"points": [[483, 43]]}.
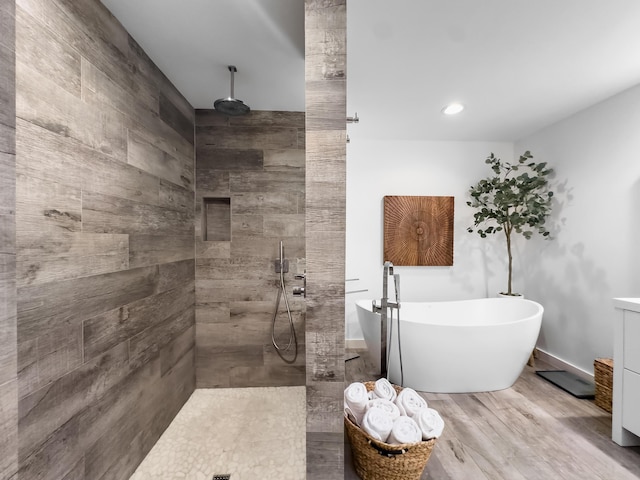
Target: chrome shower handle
{"points": [[301, 291]]}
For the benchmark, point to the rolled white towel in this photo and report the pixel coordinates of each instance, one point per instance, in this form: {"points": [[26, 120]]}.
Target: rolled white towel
{"points": [[410, 402], [356, 399], [384, 389], [404, 430], [430, 423], [386, 405], [377, 423]]}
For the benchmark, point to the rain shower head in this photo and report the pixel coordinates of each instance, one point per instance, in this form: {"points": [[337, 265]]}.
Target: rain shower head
{"points": [[231, 106]]}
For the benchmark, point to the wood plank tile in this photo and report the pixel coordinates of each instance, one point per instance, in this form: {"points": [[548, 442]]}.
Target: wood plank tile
{"points": [[262, 118], [50, 256], [212, 312], [42, 308], [7, 137], [48, 358], [214, 157], [258, 203], [148, 157], [145, 250], [40, 48], [175, 274], [260, 137], [8, 350], [325, 455], [247, 225], [224, 357], [76, 472], [119, 403], [323, 115], [208, 117], [267, 376], [90, 29], [117, 453], [104, 331], [63, 445], [173, 117], [176, 197], [7, 24], [279, 226], [267, 181], [43, 206], [102, 130], [287, 159], [98, 90], [174, 351], [147, 345], [43, 412], [107, 214], [211, 183], [8, 428], [76, 165], [7, 93]]}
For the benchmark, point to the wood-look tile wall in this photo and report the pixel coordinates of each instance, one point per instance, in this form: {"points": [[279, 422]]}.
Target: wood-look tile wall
{"points": [[257, 162], [325, 73], [8, 347], [104, 236]]}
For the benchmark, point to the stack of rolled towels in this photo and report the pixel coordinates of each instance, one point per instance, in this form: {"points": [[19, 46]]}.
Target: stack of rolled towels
{"points": [[391, 417]]}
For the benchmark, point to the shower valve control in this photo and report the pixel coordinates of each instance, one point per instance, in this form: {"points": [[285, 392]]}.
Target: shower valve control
{"points": [[301, 291]]}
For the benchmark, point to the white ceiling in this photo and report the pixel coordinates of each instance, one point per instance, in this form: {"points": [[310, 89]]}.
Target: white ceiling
{"points": [[517, 65]]}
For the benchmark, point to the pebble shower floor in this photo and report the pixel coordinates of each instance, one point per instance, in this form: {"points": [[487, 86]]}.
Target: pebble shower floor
{"points": [[248, 433]]}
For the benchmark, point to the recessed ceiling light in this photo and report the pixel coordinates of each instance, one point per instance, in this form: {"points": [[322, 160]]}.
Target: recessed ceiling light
{"points": [[453, 108]]}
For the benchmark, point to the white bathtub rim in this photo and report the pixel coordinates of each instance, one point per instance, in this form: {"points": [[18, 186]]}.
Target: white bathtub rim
{"points": [[366, 304]]}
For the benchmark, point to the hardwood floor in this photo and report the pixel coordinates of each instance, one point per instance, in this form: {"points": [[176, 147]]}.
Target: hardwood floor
{"points": [[531, 431]]}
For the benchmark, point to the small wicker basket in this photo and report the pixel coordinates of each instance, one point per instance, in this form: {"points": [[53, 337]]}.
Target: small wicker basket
{"points": [[375, 460], [603, 376]]}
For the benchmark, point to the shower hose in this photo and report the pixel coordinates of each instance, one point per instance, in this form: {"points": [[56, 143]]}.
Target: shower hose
{"points": [[282, 292]]}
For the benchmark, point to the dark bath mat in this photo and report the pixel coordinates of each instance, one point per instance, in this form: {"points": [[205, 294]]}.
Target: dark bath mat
{"points": [[569, 382]]}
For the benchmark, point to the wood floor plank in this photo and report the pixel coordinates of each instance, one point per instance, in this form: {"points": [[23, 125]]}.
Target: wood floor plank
{"points": [[531, 431]]}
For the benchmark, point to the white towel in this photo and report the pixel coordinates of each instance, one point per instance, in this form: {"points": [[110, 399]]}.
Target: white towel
{"points": [[404, 430], [386, 405], [430, 423], [377, 423], [356, 399], [410, 402], [384, 389]]}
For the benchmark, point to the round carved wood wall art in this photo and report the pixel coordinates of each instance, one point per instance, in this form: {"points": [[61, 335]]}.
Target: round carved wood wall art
{"points": [[418, 231]]}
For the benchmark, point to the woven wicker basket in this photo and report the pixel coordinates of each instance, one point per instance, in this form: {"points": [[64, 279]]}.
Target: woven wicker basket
{"points": [[375, 460], [603, 376]]}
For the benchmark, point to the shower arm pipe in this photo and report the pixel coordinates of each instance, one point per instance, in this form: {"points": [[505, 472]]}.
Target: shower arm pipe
{"points": [[233, 70]]}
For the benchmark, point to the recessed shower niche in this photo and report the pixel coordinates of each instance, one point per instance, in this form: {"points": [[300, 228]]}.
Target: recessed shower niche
{"points": [[216, 219]]}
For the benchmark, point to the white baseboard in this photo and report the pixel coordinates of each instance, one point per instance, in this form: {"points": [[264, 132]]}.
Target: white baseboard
{"points": [[356, 343], [562, 365]]}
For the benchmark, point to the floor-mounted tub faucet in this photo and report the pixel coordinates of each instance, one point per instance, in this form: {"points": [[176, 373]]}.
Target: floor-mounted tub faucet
{"points": [[382, 309]]}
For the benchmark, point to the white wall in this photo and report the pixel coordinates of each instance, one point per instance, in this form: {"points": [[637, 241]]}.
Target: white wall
{"points": [[376, 168], [595, 255]]}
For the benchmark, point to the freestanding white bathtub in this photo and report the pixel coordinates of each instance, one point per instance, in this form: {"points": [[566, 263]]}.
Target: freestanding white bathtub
{"points": [[463, 346]]}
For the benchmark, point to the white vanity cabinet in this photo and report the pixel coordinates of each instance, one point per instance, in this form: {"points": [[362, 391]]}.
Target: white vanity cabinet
{"points": [[626, 372]]}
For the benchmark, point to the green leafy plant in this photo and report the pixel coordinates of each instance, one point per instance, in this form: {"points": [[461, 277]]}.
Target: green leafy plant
{"points": [[516, 199]]}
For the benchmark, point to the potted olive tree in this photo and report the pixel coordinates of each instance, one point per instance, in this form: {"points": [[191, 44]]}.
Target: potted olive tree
{"points": [[516, 199]]}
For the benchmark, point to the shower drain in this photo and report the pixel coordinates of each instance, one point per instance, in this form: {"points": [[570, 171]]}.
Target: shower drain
{"points": [[222, 476]]}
